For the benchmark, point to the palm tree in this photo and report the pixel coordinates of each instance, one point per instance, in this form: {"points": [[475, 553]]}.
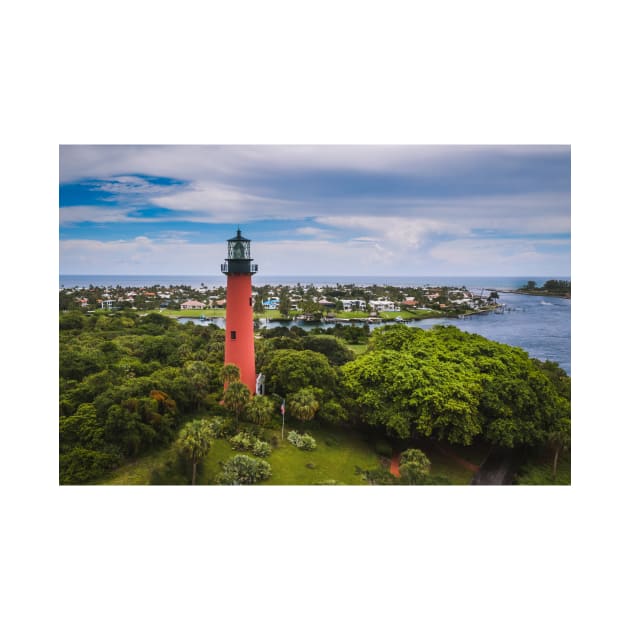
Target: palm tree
{"points": [[230, 373], [194, 442], [236, 397], [303, 404], [260, 410]]}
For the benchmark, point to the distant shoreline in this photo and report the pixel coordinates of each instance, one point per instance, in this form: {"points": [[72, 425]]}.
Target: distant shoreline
{"points": [[537, 292]]}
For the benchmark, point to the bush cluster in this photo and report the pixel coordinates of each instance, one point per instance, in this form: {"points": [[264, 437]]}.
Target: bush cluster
{"points": [[303, 441], [222, 428], [243, 470], [247, 442]]}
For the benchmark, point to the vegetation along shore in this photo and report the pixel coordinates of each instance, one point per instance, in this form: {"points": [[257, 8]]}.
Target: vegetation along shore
{"points": [[142, 397]]}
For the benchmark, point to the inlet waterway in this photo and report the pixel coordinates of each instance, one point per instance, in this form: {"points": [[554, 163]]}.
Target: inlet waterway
{"points": [[539, 325]]}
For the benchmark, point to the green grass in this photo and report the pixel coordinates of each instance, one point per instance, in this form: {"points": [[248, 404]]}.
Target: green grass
{"points": [[137, 472], [358, 348], [538, 471], [206, 312], [339, 451], [275, 314], [337, 454]]}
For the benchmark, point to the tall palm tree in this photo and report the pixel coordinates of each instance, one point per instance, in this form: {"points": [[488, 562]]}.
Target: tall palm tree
{"points": [[236, 397], [194, 442], [303, 404], [260, 410]]}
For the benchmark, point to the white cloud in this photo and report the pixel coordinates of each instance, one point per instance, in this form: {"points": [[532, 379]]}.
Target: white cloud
{"points": [[211, 202], [503, 256], [94, 214], [313, 231], [400, 233], [148, 255]]}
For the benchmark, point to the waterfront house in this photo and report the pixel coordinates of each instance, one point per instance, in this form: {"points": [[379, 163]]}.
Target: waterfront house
{"points": [[353, 305], [271, 304], [192, 305], [383, 305]]}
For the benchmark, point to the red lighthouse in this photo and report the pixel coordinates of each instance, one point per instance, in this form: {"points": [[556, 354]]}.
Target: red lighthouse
{"points": [[239, 317]]}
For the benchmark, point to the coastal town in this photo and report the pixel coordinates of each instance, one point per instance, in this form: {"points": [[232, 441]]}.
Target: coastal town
{"points": [[308, 302]]}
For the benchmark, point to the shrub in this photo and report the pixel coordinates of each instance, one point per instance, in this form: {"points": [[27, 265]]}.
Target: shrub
{"points": [[414, 467], [243, 470], [304, 441], [261, 449], [222, 427], [247, 442], [377, 476]]}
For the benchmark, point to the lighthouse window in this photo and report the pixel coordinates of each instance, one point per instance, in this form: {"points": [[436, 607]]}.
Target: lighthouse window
{"points": [[232, 334], [250, 301]]}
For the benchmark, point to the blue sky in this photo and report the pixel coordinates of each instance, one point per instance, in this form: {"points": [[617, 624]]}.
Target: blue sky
{"points": [[317, 209]]}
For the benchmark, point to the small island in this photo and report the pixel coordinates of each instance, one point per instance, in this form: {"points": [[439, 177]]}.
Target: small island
{"points": [[551, 288]]}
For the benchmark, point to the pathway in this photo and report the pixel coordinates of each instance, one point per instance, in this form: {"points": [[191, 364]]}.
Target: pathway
{"points": [[393, 468]]}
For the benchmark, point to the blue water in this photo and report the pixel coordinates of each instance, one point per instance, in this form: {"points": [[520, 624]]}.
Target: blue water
{"points": [[541, 326]]}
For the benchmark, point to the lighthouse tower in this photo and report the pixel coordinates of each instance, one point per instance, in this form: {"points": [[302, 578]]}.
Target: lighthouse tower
{"points": [[239, 317]]}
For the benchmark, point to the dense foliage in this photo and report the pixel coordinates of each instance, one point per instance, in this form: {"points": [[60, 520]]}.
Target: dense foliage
{"points": [[126, 382], [454, 386]]}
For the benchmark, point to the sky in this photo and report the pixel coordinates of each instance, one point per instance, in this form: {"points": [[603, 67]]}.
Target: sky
{"points": [[404, 210]]}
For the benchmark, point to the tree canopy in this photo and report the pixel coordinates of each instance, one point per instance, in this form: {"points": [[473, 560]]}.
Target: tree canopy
{"points": [[452, 385]]}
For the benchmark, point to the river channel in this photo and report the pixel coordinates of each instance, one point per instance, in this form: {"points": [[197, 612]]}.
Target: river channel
{"points": [[539, 325]]}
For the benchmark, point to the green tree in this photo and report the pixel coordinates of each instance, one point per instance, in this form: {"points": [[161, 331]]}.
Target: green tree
{"points": [[194, 442], [202, 379], [260, 410], [236, 398], [452, 385], [258, 304], [288, 371], [303, 404], [414, 467], [333, 349], [284, 304], [230, 373]]}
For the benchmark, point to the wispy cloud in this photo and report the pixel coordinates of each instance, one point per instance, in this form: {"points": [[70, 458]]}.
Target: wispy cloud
{"points": [[394, 204]]}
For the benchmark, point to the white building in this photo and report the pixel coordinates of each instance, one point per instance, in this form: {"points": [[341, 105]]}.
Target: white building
{"points": [[353, 305], [383, 305], [189, 305]]}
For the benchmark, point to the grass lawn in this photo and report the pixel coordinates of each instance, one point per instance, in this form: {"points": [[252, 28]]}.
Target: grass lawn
{"points": [[339, 451], [337, 454], [206, 312], [138, 471], [538, 471]]}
